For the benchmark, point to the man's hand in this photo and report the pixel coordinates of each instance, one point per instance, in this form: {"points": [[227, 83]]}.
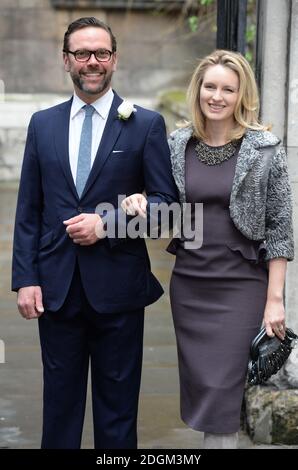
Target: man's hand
{"points": [[30, 302], [85, 229], [135, 204]]}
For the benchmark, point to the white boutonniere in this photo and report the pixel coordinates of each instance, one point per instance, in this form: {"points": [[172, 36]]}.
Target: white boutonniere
{"points": [[125, 109]]}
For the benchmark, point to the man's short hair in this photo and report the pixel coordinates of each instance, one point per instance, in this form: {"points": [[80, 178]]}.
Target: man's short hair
{"points": [[84, 23]]}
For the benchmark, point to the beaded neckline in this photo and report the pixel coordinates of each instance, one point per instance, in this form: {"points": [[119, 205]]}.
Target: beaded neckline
{"points": [[215, 155]]}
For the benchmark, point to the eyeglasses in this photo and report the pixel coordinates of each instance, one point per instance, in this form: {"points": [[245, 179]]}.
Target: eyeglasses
{"points": [[83, 55]]}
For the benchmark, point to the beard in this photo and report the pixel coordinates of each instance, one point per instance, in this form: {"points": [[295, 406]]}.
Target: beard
{"points": [[79, 82]]}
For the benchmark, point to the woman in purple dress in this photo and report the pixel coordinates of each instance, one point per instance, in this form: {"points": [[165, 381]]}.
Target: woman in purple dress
{"points": [[222, 292]]}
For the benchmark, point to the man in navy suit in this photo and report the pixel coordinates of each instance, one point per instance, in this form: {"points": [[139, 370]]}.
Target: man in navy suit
{"points": [[88, 290]]}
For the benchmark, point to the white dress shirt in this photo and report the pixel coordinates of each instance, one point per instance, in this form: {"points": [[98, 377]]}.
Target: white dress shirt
{"points": [[77, 115]]}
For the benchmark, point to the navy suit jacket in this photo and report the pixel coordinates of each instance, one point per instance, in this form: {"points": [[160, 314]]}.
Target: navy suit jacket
{"points": [[115, 273]]}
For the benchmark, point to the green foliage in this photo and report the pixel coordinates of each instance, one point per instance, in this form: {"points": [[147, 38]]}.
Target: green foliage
{"points": [[249, 56], [206, 2], [200, 12], [173, 96], [193, 22], [251, 33]]}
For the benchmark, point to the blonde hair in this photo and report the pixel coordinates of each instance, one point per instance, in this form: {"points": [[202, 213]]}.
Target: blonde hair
{"points": [[247, 106]]}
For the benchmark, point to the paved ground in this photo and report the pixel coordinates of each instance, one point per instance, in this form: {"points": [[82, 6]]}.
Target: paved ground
{"points": [[160, 426]]}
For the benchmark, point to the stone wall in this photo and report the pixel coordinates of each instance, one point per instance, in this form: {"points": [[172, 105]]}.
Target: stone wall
{"points": [[156, 50], [279, 106], [15, 114], [272, 415], [272, 410]]}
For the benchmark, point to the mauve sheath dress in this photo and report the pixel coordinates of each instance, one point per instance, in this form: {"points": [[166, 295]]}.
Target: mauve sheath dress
{"points": [[218, 295]]}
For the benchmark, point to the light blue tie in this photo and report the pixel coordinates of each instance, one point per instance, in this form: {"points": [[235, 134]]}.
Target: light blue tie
{"points": [[84, 157]]}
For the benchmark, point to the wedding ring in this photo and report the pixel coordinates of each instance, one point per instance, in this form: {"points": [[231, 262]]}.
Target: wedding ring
{"points": [[280, 328]]}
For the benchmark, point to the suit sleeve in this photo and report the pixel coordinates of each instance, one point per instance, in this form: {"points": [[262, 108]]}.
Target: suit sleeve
{"points": [[28, 218], [279, 224], [159, 183]]}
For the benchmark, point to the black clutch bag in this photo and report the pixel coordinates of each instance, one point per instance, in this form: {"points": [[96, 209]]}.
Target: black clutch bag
{"points": [[268, 355]]}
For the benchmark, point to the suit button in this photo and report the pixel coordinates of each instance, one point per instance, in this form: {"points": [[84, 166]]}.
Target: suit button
{"points": [[80, 209]]}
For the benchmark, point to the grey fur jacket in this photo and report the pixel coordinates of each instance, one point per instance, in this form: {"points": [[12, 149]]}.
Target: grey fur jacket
{"points": [[260, 202]]}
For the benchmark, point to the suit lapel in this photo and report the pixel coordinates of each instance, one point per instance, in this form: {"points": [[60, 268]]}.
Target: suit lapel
{"points": [[110, 135], [61, 136], [178, 158], [246, 158]]}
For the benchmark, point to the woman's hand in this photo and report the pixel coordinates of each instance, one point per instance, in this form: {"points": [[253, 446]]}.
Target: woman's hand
{"points": [[274, 315], [274, 318], [135, 205]]}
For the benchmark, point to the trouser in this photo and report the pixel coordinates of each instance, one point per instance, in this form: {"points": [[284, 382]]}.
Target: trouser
{"points": [[113, 342]]}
